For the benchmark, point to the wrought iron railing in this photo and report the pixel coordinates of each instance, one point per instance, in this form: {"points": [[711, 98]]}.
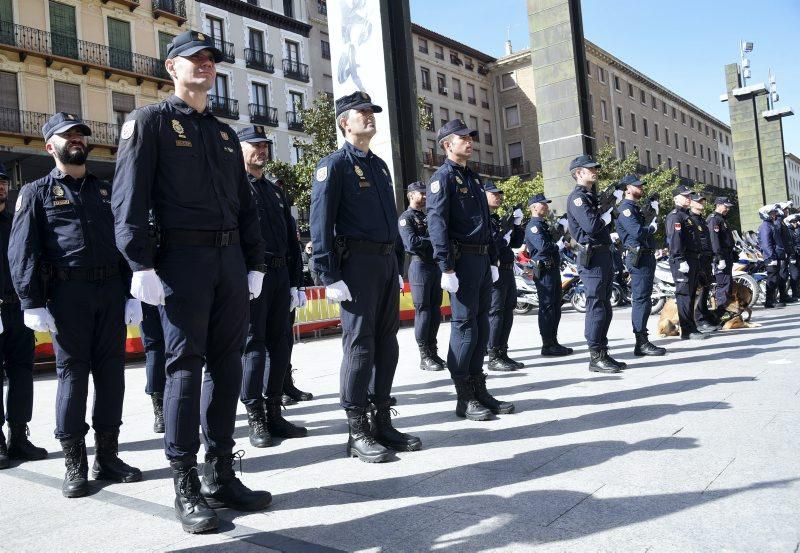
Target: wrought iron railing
{"points": [[223, 107], [29, 124], [295, 70], [259, 59], [294, 120], [263, 115]]}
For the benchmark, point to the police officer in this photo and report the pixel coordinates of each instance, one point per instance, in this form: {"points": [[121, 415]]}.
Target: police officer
{"points": [[424, 276], [155, 362], [71, 281], [176, 159], [787, 242], [461, 234], [507, 233], [684, 252], [638, 238], [16, 355], [269, 313], [722, 246], [793, 222], [703, 317], [769, 240], [354, 235], [590, 229], [546, 262]]}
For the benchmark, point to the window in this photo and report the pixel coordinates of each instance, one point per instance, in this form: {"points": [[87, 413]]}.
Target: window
{"points": [[471, 94], [293, 53], [454, 59], [425, 76], [643, 97], [297, 102], [622, 152], [484, 98], [473, 124], [487, 135], [422, 45], [257, 41], [215, 29], [65, 34], [512, 116], [729, 162], [429, 112], [633, 122], [616, 84], [507, 81], [679, 168], [726, 140], [326, 50], [647, 158], [468, 65], [68, 98], [664, 107], [654, 102], [706, 126], [685, 144], [683, 118], [716, 159], [260, 98], [666, 135], [691, 122], [588, 68], [701, 153], [456, 89], [630, 90], [608, 140], [674, 113], [601, 74], [658, 157], [704, 176], [288, 8], [694, 149], [163, 40], [677, 145], [441, 82], [655, 132], [603, 110], [515, 154], [669, 162], [444, 116], [723, 160], [645, 130], [9, 102], [725, 182], [696, 174], [620, 122], [122, 104], [438, 52], [119, 42]]}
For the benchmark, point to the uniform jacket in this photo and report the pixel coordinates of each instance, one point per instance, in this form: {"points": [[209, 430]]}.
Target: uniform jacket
{"points": [[585, 224], [413, 227], [722, 243], [504, 250], [278, 227], [633, 230], [539, 242], [682, 239]]}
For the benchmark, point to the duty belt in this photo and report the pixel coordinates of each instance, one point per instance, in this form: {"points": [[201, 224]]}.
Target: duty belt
{"points": [[210, 238], [598, 247], [421, 259], [370, 248], [507, 266], [90, 274], [276, 262], [477, 249]]}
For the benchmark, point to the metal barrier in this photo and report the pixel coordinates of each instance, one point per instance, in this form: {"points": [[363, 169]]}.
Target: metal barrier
{"points": [[317, 314]]}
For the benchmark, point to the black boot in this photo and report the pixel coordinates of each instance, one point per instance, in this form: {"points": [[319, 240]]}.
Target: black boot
{"points": [[107, 465], [497, 363], [508, 360], [360, 443], [621, 365], [486, 399], [76, 479], [426, 362], [277, 425], [191, 508], [4, 460], [554, 349], [645, 347], [467, 405], [387, 435], [158, 412], [293, 392], [259, 437], [221, 488], [433, 351], [599, 362], [20, 447]]}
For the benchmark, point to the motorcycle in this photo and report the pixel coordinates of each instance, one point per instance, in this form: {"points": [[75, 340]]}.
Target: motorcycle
{"points": [[663, 287], [527, 298]]}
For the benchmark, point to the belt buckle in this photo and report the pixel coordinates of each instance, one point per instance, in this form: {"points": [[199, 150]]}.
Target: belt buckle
{"points": [[223, 239]]}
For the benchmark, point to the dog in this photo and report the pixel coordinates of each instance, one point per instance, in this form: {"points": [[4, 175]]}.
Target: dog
{"points": [[738, 305]]}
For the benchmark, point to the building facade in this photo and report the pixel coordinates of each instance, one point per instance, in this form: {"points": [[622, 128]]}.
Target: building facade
{"points": [[793, 177]]}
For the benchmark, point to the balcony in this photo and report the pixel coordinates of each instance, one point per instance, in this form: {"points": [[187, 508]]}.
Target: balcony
{"points": [[263, 115], [455, 60], [438, 55], [426, 85], [130, 4], [482, 70], [259, 59], [68, 49], [223, 107], [170, 9], [469, 66], [295, 70], [471, 101], [28, 126], [433, 160], [294, 120], [228, 52], [457, 96]]}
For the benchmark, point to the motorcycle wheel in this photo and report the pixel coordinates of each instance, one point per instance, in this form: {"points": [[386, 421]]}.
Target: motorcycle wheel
{"points": [[616, 295], [578, 301], [658, 305], [522, 308], [758, 292]]}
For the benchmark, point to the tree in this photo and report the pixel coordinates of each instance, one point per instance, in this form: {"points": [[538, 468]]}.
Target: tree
{"points": [[425, 116], [517, 191]]}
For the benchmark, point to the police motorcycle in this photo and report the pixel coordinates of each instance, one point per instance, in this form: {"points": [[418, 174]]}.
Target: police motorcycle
{"points": [[663, 285], [749, 269], [527, 298]]}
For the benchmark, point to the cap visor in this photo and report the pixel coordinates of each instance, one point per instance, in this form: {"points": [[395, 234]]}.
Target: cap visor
{"points": [[255, 140], [367, 105], [191, 50], [465, 132], [69, 125]]}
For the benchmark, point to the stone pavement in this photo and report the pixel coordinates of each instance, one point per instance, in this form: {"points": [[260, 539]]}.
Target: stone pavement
{"points": [[696, 451]]}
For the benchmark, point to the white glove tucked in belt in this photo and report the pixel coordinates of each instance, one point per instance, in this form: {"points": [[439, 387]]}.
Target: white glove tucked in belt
{"points": [[338, 291], [684, 267], [147, 287]]}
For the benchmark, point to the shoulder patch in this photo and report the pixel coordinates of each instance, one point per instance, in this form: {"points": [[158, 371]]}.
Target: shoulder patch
{"points": [[626, 212], [322, 173], [535, 229], [677, 226], [20, 203], [578, 202], [716, 228], [127, 129], [435, 187], [403, 222]]}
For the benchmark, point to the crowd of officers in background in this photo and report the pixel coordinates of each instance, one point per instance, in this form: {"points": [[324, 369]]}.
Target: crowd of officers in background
{"points": [[194, 243]]}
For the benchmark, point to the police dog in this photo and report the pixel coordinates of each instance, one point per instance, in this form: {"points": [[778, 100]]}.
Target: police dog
{"points": [[737, 312]]}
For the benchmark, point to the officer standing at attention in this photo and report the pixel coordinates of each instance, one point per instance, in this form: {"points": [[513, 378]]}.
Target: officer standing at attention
{"points": [[71, 281], [769, 241], [269, 312], [793, 223], [722, 246], [461, 234], [176, 159], [424, 276], [354, 235], [546, 261], [702, 315], [637, 235], [786, 240], [504, 290], [590, 230], [16, 355], [684, 251]]}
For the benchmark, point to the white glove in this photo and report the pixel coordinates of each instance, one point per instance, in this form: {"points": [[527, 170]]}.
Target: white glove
{"points": [[133, 312], [721, 265], [654, 205], [1, 326], [560, 243], [495, 273], [606, 217], [772, 263], [450, 282], [618, 194], [302, 300], [654, 224], [39, 319], [684, 267], [293, 300], [517, 216], [400, 280], [255, 281], [338, 291], [507, 237], [564, 223], [147, 287]]}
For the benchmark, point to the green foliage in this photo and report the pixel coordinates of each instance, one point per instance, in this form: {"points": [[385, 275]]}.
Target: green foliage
{"points": [[425, 118], [517, 191]]}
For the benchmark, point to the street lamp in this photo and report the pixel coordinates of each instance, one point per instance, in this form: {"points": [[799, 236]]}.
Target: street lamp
{"points": [[745, 48]]}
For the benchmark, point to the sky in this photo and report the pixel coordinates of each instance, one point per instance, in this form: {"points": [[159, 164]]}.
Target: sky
{"points": [[681, 44]]}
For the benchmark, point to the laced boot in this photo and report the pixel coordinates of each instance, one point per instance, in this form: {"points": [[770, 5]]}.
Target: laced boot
{"points": [[387, 435], [508, 360], [621, 365], [191, 508], [292, 391], [554, 349], [4, 460], [645, 347], [20, 447], [467, 405], [256, 420], [221, 488], [599, 362], [107, 464], [76, 479], [360, 443], [486, 399], [426, 361], [497, 363], [277, 425], [158, 412], [432, 351]]}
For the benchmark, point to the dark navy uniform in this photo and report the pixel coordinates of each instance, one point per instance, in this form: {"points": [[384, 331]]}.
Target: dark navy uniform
{"points": [[154, 350], [547, 272], [793, 259], [722, 246], [187, 167], [684, 246], [787, 247], [702, 315], [504, 291], [770, 242], [424, 277], [637, 236], [64, 228]]}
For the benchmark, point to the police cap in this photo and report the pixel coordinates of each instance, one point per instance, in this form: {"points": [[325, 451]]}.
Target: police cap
{"points": [[583, 161], [417, 186], [253, 134], [490, 186], [62, 122], [356, 100], [681, 190], [456, 126], [3, 174], [538, 199], [631, 180], [191, 42], [723, 200], [698, 197]]}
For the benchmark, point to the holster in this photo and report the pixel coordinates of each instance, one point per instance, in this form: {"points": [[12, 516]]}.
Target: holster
{"points": [[455, 250], [584, 255], [46, 274], [340, 251], [636, 256]]}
